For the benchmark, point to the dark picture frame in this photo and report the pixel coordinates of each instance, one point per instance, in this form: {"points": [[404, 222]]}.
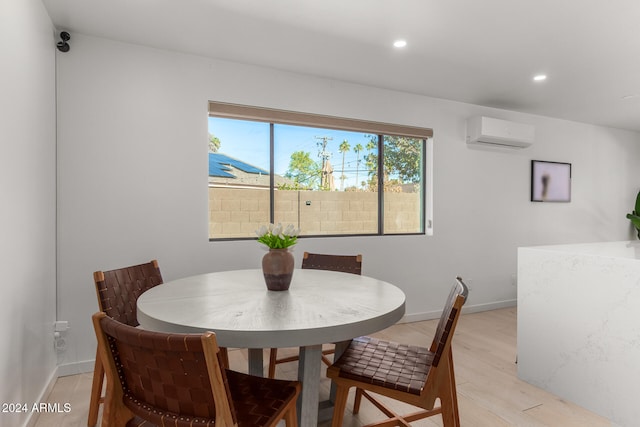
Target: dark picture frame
{"points": [[550, 181]]}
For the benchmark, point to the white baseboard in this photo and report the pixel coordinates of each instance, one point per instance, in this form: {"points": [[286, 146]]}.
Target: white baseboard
{"points": [[467, 309], [33, 416], [76, 368]]}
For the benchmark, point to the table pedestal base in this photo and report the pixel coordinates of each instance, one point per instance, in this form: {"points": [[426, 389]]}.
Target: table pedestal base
{"points": [[309, 376], [256, 362], [309, 366]]}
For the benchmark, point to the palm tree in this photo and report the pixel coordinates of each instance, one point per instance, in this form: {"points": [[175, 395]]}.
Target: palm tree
{"points": [[344, 147], [358, 148], [371, 160]]}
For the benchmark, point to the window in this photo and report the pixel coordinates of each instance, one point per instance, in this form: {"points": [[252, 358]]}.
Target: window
{"points": [[320, 173]]}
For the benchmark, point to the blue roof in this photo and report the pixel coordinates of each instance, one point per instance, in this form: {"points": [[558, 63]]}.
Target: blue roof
{"points": [[219, 166]]}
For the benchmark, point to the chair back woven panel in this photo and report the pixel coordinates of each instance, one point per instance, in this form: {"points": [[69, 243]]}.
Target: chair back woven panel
{"points": [[447, 320], [120, 289], [386, 364], [343, 263], [164, 376]]}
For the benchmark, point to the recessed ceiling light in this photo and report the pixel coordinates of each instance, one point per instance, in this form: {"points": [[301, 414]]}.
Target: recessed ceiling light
{"points": [[400, 43], [540, 77]]}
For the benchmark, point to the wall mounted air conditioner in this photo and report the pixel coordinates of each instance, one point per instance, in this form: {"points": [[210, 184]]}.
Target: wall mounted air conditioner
{"points": [[486, 130]]}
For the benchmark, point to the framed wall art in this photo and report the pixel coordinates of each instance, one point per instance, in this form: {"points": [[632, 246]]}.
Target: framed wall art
{"points": [[550, 181]]}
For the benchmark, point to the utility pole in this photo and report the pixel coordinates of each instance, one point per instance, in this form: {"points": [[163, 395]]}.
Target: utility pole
{"points": [[324, 155]]}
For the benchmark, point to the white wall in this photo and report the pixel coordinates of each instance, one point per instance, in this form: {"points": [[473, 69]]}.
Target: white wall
{"points": [[133, 174], [27, 204]]}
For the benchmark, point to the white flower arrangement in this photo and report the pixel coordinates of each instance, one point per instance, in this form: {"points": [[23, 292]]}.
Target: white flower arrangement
{"points": [[278, 237]]}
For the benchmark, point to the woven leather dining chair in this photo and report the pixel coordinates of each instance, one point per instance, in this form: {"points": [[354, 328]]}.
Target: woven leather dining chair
{"points": [[410, 374], [156, 378], [343, 263], [118, 291]]}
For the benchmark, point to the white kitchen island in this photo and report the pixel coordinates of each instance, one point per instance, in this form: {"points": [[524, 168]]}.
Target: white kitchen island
{"points": [[579, 325]]}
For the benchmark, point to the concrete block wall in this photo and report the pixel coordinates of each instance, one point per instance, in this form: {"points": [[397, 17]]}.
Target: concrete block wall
{"points": [[238, 212]]}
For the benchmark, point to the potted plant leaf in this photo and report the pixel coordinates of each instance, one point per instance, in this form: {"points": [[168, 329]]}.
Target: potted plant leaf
{"points": [[634, 217]]}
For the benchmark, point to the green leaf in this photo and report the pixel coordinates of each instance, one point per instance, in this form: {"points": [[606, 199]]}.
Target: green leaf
{"points": [[635, 220], [637, 203]]}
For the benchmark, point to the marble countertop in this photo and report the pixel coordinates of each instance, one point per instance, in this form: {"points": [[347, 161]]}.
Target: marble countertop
{"points": [[629, 249]]}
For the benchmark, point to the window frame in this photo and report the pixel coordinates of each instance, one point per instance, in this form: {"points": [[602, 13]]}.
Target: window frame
{"points": [[380, 129]]}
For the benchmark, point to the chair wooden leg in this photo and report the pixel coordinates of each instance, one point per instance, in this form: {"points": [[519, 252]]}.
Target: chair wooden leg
{"points": [[273, 355], [454, 392], [291, 417], [325, 359], [357, 400], [342, 392], [449, 397], [95, 398], [224, 357], [392, 415], [114, 413]]}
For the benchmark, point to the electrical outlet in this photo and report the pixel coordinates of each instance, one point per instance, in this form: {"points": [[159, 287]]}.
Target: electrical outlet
{"points": [[60, 329], [514, 280], [469, 283], [59, 343]]}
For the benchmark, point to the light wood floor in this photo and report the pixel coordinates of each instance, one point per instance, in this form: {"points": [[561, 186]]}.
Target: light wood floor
{"points": [[484, 352]]}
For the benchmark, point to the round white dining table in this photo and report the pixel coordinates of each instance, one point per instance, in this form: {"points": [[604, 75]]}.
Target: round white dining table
{"points": [[320, 307]]}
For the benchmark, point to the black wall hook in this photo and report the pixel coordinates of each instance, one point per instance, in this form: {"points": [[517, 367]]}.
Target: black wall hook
{"points": [[63, 46]]}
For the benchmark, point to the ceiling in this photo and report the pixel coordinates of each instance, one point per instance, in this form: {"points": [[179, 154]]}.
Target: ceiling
{"points": [[480, 52]]}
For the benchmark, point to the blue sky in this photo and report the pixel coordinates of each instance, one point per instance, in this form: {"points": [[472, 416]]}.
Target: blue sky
{"points": [[249, 142]]}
